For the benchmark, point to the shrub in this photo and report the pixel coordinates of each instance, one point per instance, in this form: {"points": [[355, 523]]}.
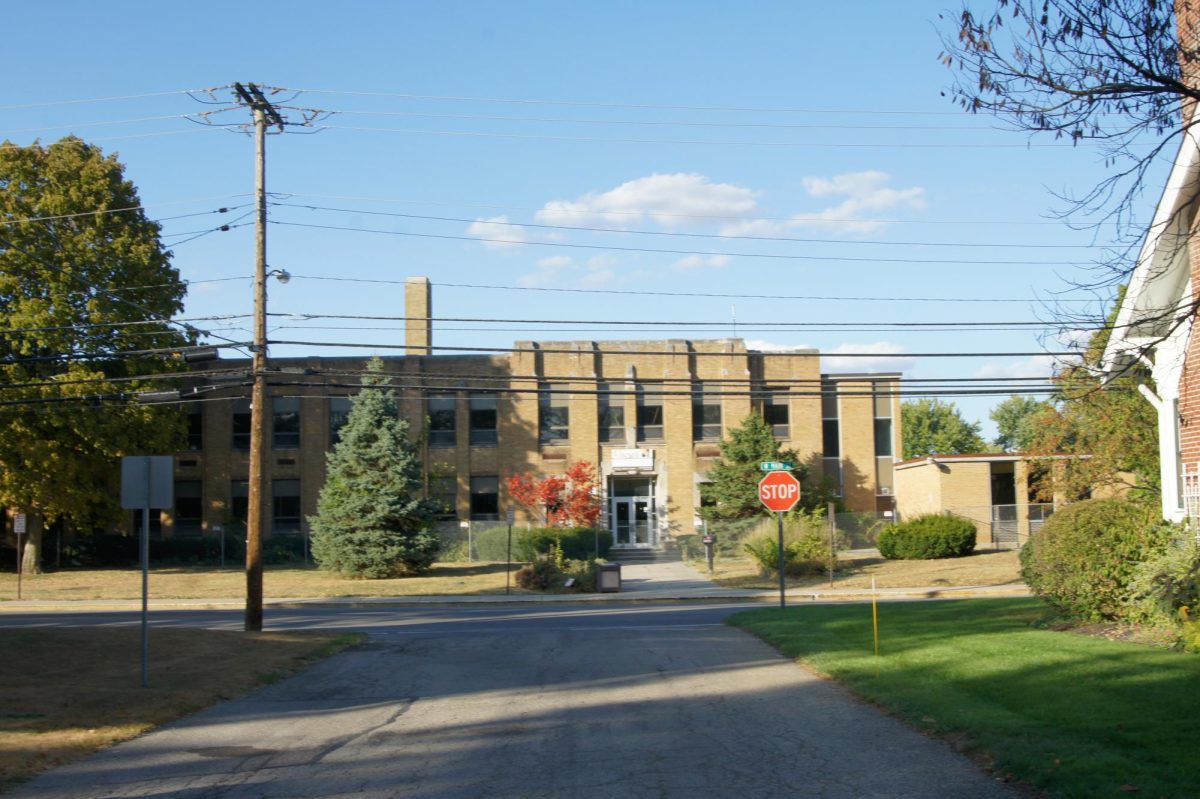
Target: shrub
{"points": [[578, 543], [803, 553], [1165, 588], [584, 574], [927, 537], [1083, 559], [540, 575]]}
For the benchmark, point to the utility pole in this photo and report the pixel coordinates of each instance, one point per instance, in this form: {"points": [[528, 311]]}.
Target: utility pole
{"points": [[264, 111]]}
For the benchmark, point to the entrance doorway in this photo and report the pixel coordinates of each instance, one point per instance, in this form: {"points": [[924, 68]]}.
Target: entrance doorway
{"points": [[632, 512]]}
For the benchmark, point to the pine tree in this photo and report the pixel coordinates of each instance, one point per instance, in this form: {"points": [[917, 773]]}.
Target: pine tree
{"points": [[371, 520], [733, 485]]}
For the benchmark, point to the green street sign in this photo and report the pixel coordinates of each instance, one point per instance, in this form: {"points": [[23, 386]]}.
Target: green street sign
{"points": [[776, 466]]}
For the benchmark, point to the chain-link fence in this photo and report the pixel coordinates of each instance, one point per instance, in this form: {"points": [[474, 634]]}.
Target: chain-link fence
{"points": [[1004, 526]]}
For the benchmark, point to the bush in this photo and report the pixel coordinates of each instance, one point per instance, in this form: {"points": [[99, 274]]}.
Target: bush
{"points": [[540, 575], [578, 543], [927, 537], [1083, 559], [803, 553], [1165, 588]]}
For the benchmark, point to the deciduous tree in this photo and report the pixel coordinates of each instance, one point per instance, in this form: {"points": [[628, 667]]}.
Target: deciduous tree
{"points": [[1016, 422], [570, 499], [371, 519], [933, 427], [84, 283]]}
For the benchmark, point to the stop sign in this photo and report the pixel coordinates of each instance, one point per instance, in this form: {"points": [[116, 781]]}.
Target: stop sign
{"points": [[779, 491]]}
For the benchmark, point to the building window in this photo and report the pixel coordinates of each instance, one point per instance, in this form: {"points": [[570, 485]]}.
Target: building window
{"points": [[706, 414], [285, 507], [155, 523], [189, 508], [775, 411], [883, 438], [483, 420], [239, 501], [485, 498], [649, 412], [554, 414], [443, 493], [339, 414], [195, 429], [611, 410], [241, 424], [831, 436], [285, 422], [442, 409]]}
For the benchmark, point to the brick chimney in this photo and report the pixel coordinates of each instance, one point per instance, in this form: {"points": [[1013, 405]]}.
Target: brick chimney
{"points": [[418, 328]]}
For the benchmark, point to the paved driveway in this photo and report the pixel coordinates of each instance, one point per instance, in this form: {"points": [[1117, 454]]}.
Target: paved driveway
{"points": [[618, 710]]}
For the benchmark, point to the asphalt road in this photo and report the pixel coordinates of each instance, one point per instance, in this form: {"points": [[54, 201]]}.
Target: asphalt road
{"points": [[625, 701]]}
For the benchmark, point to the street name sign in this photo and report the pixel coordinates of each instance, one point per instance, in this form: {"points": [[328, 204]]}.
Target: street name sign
{"points": [[776, 466]]}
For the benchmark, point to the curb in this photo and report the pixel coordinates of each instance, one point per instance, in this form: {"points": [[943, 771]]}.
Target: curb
{"points": [[698, 595]]}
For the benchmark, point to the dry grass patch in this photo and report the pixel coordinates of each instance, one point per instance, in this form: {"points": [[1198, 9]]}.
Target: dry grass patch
{"points": [[278, 582], [855, 570], [66, 692]]}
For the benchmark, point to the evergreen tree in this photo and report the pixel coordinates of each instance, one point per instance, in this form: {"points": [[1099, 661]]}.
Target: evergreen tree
{"points": [[371, 519], [733, 486]]}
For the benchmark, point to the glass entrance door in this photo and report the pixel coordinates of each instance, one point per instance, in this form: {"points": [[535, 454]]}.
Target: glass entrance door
{"points": [[633, 521]]}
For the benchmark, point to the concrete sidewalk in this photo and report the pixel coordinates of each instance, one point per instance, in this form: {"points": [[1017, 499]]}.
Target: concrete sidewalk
{"points": [[671, 580]]}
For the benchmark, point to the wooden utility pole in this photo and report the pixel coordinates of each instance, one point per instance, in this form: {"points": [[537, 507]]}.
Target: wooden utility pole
{"points": [[252, 96]]}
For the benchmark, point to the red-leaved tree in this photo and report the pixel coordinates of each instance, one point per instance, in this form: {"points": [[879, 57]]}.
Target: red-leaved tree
{"points": [[562, 500]]}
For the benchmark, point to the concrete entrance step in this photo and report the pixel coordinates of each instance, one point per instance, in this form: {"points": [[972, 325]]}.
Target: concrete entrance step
{"points": [[631, 556]]}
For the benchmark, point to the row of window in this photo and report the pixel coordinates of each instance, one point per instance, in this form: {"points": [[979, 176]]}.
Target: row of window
{"points": [[188, 514], [554, 417]]}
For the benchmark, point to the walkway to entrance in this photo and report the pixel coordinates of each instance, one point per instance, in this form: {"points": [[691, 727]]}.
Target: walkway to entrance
{"points": [[668, 578]]}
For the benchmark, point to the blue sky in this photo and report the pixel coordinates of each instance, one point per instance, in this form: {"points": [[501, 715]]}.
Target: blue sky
{"points": [[469, 137]]}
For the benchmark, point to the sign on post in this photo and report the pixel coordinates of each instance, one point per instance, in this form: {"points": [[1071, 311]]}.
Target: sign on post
{"points": [[147, 481], [776, 466], [779, 491]]}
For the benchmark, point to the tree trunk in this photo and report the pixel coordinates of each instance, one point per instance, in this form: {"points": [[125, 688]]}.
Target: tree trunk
{"points": [[31, 562]]}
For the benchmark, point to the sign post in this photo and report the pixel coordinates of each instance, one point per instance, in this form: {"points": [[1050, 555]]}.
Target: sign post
{"points": [[508, 566], [779, 491], [147, 481], [19, 532]]}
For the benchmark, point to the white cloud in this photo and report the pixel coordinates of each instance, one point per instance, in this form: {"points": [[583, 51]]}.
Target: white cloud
{"points": [[672, 200], [702, 262], [498, 232], [563, 270], [831, 363], [866, 193], [1037, 366]]}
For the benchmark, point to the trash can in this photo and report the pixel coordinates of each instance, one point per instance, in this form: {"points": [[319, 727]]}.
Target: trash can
{"points": [[608, 578]]}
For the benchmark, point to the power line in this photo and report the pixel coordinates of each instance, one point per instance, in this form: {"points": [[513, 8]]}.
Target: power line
{"points": [[684, 234], [664, 251], [647, 293], [74, 125], [649, 123], [806, 353], [649, 323], [701, 142], [50, 103], [659, 214]]}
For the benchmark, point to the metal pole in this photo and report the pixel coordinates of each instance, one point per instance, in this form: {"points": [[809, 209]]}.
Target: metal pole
{"points": [[782, 596], [832, 539], [145, 557], [258, 398], [20, 557], [508, 565]]}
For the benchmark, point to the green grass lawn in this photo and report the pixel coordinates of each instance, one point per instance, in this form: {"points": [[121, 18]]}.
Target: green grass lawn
{"points": [[1070, 715]]}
